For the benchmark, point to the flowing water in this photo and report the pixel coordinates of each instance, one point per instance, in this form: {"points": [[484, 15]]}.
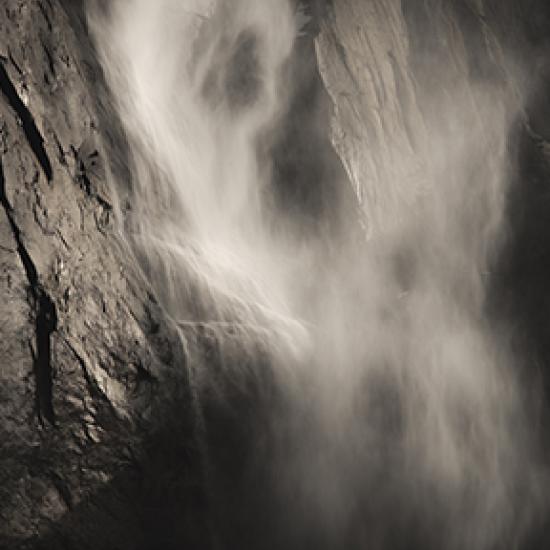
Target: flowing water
{"points": [[392, 415]]}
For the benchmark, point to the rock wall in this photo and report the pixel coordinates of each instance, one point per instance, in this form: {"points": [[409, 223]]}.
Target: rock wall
{"points": [[406, 76], [402, 76], [84, 346]]}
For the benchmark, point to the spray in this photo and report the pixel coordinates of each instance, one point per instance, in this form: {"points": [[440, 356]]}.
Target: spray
{"points": [[401, 410]]}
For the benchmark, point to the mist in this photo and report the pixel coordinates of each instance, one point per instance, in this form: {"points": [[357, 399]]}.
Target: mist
{"points": [[400, 415]]}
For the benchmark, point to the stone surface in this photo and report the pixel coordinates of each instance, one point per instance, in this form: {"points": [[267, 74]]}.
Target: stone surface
{"points": [[363, 50], [84, 344]]}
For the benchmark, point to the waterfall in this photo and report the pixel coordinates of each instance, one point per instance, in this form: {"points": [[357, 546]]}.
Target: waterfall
{"points": [[398, 411]]}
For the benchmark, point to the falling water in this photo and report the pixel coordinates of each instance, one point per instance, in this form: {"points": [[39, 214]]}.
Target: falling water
{"points": [[401, 409]]}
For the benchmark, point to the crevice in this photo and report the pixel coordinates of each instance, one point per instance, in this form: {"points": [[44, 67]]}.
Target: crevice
{"points": [[404, 101], [93, 387], [45, 319], [14, 63], [49, 58], [343, 56], [63, 490], [33, 135], [45, 15], [46, 324]]}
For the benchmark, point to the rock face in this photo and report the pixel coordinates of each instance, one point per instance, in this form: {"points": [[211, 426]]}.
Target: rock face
{"points": [[405, 76], [84, 345], [100, 434], [408, 81], [363, 52]]}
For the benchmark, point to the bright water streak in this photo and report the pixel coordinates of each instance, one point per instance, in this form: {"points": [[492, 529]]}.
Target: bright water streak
{"points": [[405, 378]]}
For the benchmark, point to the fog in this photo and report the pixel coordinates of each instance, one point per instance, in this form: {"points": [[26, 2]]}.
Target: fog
{"points": [[403, 409]]}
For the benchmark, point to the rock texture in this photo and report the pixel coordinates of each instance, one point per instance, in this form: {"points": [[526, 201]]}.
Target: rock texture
{"points": [[405, 76], [84, 346], [363, 53]]}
